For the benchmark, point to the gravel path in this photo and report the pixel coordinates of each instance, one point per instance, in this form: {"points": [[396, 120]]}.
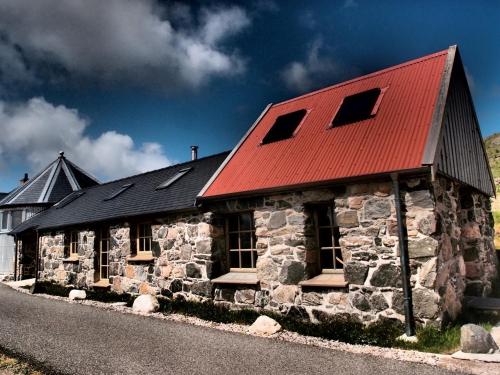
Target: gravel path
{"points": [[78, 338]]}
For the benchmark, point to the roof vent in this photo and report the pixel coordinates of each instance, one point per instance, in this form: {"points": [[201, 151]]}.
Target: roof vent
{"points": [[194, 152]]}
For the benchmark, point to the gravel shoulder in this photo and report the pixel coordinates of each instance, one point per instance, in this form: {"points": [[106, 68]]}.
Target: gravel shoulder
{"points": [[128, 343]]}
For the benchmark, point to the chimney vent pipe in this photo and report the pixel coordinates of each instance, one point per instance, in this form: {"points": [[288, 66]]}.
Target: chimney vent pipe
{"points": [[24, 179], [194, 152]]}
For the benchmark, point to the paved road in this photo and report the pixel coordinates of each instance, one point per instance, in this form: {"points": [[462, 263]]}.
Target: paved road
{"points": [[79, 339]]}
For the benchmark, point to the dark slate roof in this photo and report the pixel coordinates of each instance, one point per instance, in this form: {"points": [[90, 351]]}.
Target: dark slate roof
{"points": [[142, 198], [3, 195], [57, 180]]}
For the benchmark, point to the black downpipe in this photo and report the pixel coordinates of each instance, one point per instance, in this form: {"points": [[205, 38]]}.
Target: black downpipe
{"points": [[37, 255], [405, 263]]}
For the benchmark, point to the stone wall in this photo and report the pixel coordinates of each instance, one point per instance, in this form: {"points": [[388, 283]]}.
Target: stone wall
{"points": [[186, 250], [467, 262], [55, 266], [449, 231]]}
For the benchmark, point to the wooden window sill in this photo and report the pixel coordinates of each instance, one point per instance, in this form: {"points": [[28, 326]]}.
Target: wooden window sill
{"points": [[141, 258], [326, 280], [101, 284], [73, 258], [241, 278]]}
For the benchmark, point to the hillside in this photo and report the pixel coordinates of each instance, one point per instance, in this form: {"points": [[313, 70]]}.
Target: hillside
{"points": [[493, 149]]}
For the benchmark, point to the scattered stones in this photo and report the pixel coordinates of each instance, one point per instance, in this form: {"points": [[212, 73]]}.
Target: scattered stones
{"points": [[145, 303], [76, 294], [475, 339], [264, 326]]}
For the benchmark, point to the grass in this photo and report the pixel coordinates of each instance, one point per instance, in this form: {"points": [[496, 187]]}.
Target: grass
{"points": [[11, 364]]}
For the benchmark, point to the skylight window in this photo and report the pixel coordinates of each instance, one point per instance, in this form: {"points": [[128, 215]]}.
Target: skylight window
{"points": [[68, 199], [119, 191], [284, 127], [174, 178], [358, 107]]}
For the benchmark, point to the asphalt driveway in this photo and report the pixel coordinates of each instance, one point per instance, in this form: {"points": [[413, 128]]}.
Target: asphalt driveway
{"points": [[79, 339]]}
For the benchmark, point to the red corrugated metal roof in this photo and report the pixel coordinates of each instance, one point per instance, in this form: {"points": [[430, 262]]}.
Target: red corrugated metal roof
{"points": [[393, 140]]}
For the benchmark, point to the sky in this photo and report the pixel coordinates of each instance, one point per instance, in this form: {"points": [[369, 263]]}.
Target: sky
{"points": [[127, 86]]}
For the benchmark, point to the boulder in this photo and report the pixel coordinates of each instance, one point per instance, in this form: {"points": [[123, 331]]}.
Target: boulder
{"points": [[264, 326], [145, 303], [475, 339], [76, 294], [495, 333], [291, 272]]}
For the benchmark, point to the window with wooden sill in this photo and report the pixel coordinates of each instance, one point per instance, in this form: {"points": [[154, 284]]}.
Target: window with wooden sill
{"points": [[71, 246], [141, 238], [330, 253], [241, 249]]}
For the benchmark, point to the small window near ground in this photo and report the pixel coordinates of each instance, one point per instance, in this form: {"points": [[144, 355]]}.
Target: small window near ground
{"points": [[357, 107], [241, 241], [284, 127], [328, 238]]}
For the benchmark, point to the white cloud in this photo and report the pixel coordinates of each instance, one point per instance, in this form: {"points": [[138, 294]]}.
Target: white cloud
{"points": [[34, 132], [139, 42], [300, 76]]}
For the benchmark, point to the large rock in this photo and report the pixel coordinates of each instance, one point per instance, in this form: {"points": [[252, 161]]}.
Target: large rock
{"points": [[264, 326], [146, 304], [377, 208], [495, 333], [422, 247], [291, 272], [475, 339], [355, 273], [277, 220], [387, 275], [285, 293], [347, 219], [76, 294], [425, 303], [420, 198], [267, 269]]}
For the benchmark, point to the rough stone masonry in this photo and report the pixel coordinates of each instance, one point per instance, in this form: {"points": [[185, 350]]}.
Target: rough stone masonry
{"points": [[450, 243]]}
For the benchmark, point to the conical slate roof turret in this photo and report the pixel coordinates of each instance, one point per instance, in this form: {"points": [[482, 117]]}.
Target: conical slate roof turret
{"points": [[57, 180]]}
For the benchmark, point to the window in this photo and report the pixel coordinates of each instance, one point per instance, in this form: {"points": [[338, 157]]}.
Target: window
{"points": [[144, 237], [71, 244], [104, 253], [5, 220], [68, 199], [119, 191], [284, 127], [241, 241], [174, 178], [328, 236], [17, 218], [358, 107]]}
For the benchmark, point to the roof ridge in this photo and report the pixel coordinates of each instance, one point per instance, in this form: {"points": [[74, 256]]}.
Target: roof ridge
{"points": [[154, 171], [366, 76]]}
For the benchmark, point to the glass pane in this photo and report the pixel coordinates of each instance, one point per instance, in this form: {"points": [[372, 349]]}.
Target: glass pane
{"points": [[104, 272], [246, 221], [254, 253], [246, 259], [234, 259], [324, 218], [325, 237], [5, 218], [326, 259], [233, 241], [246, 240], [16, 218], [232, 223], [147, 244], [146, 231], [104, 259]]}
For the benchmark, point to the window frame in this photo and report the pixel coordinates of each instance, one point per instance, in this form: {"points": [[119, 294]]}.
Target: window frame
{"points": [[71, 244], [253, 242], [335, 241], [139, 249], [104, 237]]}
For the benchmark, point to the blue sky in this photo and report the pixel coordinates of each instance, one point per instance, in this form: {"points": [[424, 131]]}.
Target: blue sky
{"points": [[123, 87]]}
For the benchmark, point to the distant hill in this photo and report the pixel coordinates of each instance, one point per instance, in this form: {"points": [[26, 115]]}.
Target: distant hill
{"points": [[493, 149]]}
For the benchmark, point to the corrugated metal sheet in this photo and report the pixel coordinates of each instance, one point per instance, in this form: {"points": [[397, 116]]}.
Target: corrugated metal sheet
{"points": [[461, 154], [393, 140]]}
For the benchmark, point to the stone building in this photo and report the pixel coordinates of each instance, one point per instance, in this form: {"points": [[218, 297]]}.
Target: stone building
{"points": [[370, 197], [54, 182]]}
